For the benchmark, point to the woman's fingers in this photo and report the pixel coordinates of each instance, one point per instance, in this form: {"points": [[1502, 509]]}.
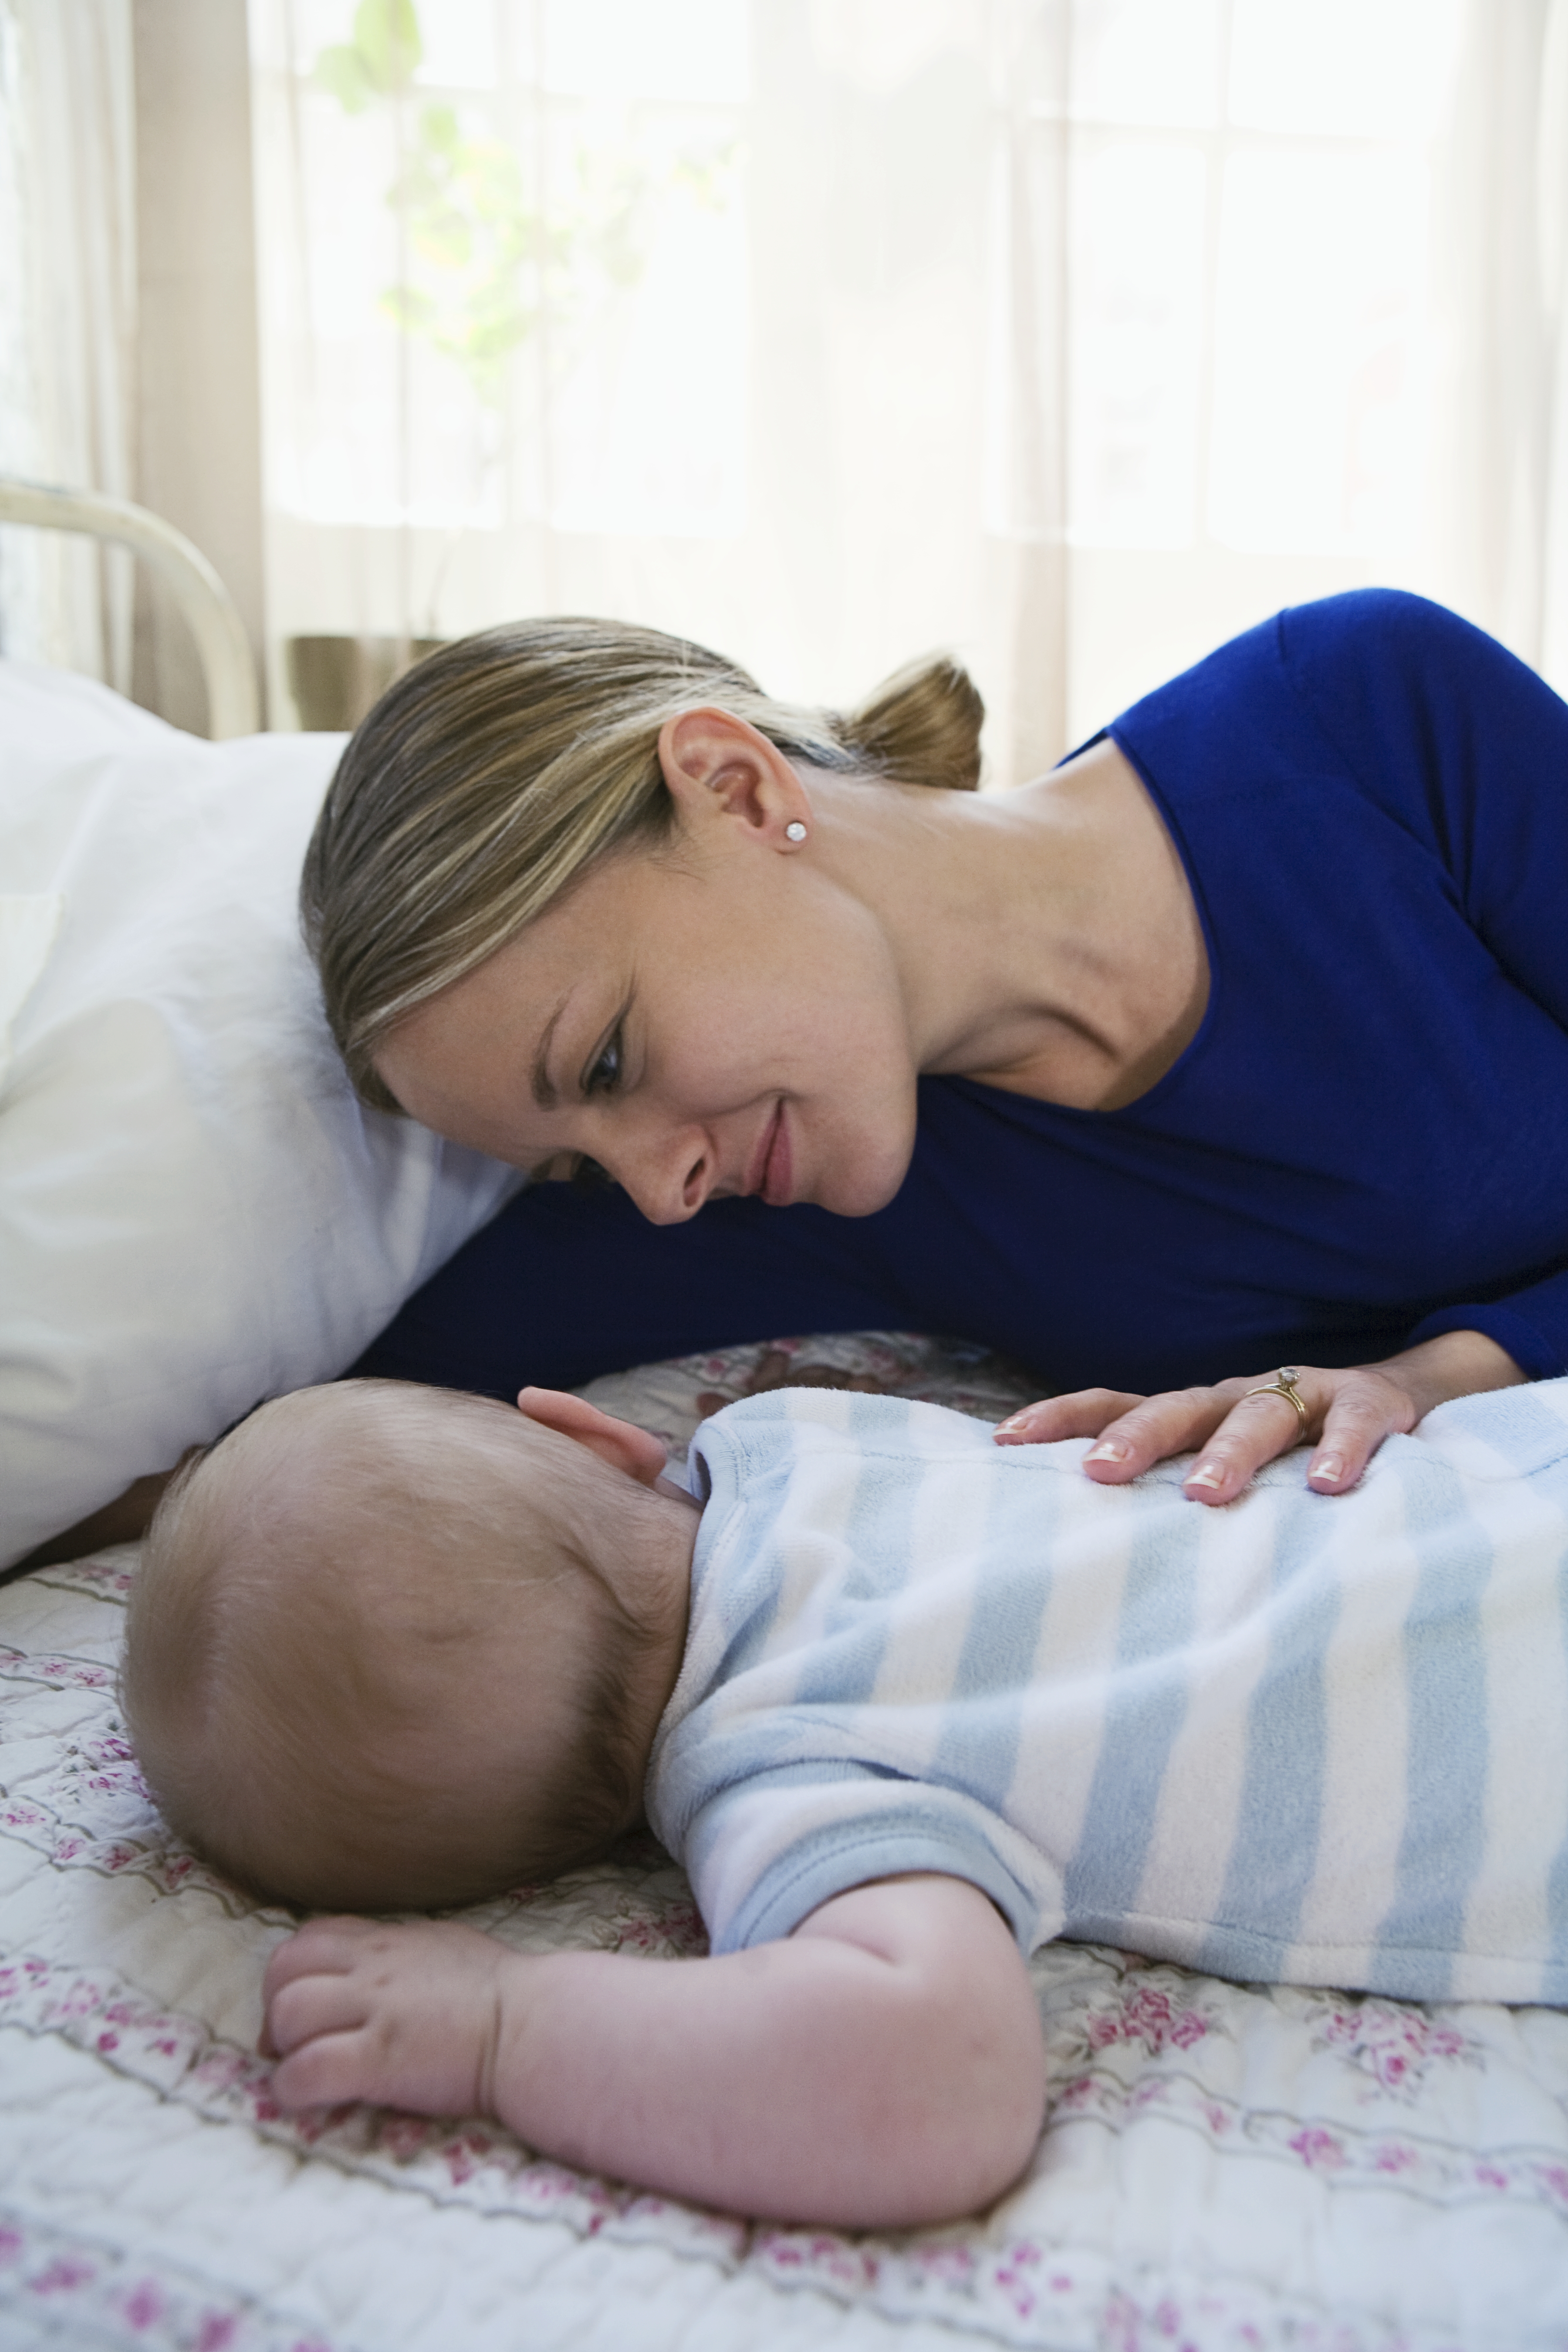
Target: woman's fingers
{"points": [[1237, 1426], [1367, 1406], [1251, 1430], [1084, 1413], [1176, 1422], [1349, 1413]]}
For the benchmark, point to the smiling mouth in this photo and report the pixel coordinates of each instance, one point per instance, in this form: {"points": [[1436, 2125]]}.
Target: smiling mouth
{"points": [[770, 1171], [778, 1167]]}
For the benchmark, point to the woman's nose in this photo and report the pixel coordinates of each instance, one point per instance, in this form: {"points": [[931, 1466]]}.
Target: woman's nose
{"points": [[669, 1178]]}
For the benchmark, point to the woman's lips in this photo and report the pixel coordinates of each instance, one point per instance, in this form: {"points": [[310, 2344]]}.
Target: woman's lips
{"points": [[771, 1170], [757, 1165], [778, 1166]]}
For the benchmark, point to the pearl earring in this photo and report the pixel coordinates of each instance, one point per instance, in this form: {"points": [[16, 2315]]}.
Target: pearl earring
{"points": [[795, 832]]}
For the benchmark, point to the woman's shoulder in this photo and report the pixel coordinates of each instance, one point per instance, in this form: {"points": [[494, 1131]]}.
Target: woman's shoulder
{"points": [[1375, 691], [1364, 642], [1373, 654]]}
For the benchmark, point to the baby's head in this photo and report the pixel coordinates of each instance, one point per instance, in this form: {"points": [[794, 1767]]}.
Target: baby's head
{"points": [[393, 1647]]}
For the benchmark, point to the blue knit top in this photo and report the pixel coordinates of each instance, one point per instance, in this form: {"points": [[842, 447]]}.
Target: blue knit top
{"points": [[1365, 1143]]}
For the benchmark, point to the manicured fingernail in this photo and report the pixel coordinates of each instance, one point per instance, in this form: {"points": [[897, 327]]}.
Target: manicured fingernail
{"points": [[1207, 1474], [1111, 1450], [1329, 1467], [1013, 1420]]}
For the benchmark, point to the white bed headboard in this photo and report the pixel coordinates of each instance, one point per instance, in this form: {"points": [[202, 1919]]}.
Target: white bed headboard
{"points": [[233, 706]]}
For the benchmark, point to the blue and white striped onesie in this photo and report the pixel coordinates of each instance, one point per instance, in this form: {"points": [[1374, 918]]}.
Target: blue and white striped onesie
{"points": [[1308, 1739]]}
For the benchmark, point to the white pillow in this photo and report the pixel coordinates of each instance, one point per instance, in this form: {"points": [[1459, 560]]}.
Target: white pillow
{"points": [[194, 1209]]}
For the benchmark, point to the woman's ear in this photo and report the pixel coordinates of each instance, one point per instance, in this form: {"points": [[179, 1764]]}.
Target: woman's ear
{"points": [[619, 1443], [717, 765]]}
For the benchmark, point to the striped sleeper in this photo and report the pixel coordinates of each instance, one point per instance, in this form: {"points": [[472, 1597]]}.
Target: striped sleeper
{"points": [[1310, 1739]]}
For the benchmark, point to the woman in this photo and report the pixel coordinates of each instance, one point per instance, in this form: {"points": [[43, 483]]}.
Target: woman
{"points": [[1239, 1039]]}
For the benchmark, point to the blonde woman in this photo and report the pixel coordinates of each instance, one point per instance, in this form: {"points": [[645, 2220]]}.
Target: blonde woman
{"points": [[1221, 1074]]}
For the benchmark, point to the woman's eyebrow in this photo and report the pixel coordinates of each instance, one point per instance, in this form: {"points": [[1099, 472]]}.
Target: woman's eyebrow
{"points": [[545, 1093]]}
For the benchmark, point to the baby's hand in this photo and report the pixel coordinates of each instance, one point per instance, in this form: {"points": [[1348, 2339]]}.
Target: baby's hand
{"points": [[402, 2016]]}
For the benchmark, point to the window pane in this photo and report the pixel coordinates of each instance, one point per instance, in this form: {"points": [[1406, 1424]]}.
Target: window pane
{"points": [[458, 38], [1135, 332], [1154, 61], [647, 390], [488, 310], [647, 49], [1318, 418], [880, 45], [1372, 69]]}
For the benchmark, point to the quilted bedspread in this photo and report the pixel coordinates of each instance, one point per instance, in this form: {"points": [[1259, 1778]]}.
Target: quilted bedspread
{"points": [[1225, 2168]]}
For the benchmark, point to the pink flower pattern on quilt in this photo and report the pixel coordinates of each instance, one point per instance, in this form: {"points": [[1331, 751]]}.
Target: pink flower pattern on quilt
{"points": [[1393, 2045]]}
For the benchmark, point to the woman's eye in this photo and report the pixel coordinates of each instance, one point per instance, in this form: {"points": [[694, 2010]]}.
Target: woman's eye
{"points": [[589, 1177], [606, 1074]]}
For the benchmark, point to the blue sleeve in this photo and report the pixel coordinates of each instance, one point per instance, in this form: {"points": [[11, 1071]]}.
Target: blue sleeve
{"points": [[811, 1830], [1466, 746]]}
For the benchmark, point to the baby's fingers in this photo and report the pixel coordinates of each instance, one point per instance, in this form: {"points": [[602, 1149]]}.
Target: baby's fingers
{"points": [[307, 2006], [1084, 1413], [327, 2071], [325, 1947]]}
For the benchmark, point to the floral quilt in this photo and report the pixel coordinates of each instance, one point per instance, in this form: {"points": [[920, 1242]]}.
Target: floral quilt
{"points": [[1224, 2168]]}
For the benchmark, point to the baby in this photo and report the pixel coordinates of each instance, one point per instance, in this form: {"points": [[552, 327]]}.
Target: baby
{"points": [[906, 1704]]}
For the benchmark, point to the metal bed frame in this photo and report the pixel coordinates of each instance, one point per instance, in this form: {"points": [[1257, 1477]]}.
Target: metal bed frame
{"points": [[233, 704]]}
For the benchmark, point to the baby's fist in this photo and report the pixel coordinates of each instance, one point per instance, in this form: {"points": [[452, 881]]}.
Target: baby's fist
{"points": [[401, 2016]]}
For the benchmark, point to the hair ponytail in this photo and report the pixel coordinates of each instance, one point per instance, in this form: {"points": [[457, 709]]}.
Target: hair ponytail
{"points": [[921, 727]]}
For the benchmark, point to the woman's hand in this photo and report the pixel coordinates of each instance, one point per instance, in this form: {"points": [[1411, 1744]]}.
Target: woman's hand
{"points": [[1349, 1411]]}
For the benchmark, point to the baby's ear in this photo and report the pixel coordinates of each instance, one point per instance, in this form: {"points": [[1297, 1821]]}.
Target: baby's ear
{"points": [[619, 1443]]}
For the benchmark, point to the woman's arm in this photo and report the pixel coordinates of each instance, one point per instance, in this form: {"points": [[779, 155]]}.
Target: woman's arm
{"points": [[880, 2069], [1349, 1411]]}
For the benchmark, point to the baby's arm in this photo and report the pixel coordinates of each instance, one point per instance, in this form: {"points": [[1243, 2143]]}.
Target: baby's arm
{"points": [[881, 2067]]}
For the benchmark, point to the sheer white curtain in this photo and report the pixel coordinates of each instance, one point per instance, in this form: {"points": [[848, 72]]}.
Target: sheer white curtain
{"points": [[67, 320], [1503, 235], [1073, 334]]}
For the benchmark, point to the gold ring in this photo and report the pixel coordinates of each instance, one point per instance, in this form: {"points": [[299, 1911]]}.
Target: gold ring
{"points": [[1283, 1384]]}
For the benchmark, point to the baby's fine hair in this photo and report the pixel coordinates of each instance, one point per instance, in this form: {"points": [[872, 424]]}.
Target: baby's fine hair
{"points": [[489, 779], [305, 1582]]}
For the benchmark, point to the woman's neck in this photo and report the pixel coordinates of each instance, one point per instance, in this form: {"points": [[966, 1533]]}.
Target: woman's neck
{"points": [[1047, 939]]}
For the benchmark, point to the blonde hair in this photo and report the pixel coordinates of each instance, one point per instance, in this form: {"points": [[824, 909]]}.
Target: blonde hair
{"points": [[278, 1678], [491, 777]]}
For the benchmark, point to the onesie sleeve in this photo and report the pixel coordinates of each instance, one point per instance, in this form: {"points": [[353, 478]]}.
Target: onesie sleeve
{"points": [[766, 1852], [1467, 747]]}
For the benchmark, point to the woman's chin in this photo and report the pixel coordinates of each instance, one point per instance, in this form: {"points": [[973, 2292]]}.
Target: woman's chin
{"points": [[861, 1189]]}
